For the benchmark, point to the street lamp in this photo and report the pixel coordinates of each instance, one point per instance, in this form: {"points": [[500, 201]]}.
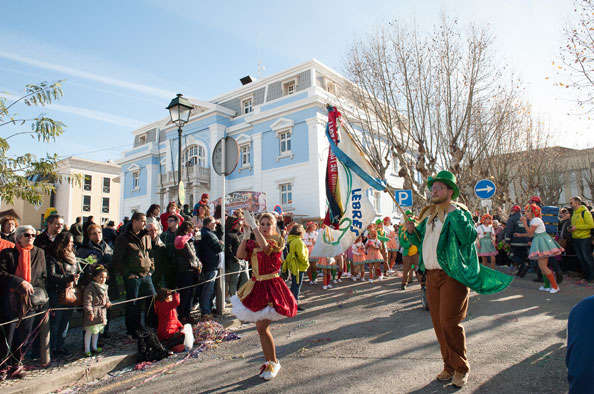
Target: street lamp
{"points": [[179, 110]]}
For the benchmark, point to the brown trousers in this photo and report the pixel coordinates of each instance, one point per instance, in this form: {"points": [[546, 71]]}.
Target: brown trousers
{"points": [[407, 272], [448, 304]]}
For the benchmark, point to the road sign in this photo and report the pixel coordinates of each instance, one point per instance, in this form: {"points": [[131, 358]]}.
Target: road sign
{"points": [[404, 197], [486, 203], [231, 156], [181, 192], [484, 189]]}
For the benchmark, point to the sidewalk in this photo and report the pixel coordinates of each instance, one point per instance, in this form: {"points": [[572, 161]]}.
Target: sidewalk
{"points": [[119, 351]]}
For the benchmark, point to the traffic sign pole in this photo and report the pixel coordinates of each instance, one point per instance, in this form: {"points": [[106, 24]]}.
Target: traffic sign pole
{"points": [[220, 283]]}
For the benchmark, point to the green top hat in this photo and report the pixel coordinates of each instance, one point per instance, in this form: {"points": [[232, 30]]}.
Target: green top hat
{"points": [[409, 212], [448, 178]]}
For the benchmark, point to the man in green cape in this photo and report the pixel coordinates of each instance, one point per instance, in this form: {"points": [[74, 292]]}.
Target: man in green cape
{"points": [[446, 238]]}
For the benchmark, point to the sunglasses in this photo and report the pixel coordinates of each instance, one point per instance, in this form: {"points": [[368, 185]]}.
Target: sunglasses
{"points": [[28, 235]]}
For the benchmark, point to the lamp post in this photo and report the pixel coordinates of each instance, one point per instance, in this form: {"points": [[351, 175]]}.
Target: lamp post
{"points": [[179, 110]]}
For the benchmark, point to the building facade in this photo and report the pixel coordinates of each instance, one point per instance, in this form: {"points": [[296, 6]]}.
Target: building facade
{"points": [[88, 188], [279, 124]]}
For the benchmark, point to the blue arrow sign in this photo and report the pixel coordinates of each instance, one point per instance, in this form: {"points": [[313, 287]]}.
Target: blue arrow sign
{"points": [[484, 189], [404, 197]]}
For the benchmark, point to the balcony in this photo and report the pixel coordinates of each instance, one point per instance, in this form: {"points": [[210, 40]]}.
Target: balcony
{"points": [[190, 175]]}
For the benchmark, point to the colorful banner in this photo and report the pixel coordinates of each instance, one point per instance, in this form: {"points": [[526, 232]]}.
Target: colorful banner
{"points": [[335, 209], [246, 200], [353, 181]]}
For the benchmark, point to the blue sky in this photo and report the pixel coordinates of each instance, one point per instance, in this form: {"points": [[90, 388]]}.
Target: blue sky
{"points": [[123, 61]]}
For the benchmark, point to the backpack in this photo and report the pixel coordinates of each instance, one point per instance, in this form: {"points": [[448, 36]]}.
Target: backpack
{"points": [[149, 346]]}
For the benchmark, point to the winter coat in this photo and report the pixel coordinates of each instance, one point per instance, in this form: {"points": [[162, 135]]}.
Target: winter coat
{"points": [[95, 301], [232, 241], [167, 317], [185, 254], [514, 225], [44, 242], [131, 254], [102, 252], [58, 278], [77, 232], [297, 259], [582, 221], [209, 248]]}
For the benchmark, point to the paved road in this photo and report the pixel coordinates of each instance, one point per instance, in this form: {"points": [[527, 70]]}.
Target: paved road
{"points": [[374, 338]]}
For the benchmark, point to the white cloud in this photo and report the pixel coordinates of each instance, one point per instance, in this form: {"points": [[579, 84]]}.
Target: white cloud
{"points": [[98, 115], [88, 75]]}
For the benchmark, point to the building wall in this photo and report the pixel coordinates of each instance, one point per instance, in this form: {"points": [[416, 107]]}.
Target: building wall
{"points": [[28, 214]]}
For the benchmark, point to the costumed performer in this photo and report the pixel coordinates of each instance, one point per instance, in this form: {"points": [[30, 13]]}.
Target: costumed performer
{"points": [[486, 240], [265, 297], [446, 238]]}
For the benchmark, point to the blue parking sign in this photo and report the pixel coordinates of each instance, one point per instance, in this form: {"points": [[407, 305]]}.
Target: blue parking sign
{"points": [[404, 198], [484, 189]]}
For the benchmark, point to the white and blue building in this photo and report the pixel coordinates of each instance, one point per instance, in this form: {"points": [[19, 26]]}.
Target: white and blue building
{"points": [[279, 124]]}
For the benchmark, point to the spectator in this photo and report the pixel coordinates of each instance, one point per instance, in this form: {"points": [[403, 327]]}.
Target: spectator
{"points": [[95, 305], [8, 225], [62, 268], [158, 253], [209, 248], [90, 220], [171, 210], [76, 229], [55, 225], [297, 261], [518, 245], [131, 256], [235, 268], [203, 213], [110, 233], [187, 268], [103, 253], [152, 216], [169, 329], [185, 213], [168, 238], [581, 224], [202, 203], [22, 274], [580, 347]]}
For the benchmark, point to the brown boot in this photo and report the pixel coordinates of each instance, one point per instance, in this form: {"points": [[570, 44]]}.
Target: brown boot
{"points": [[459, 379], [444, 376]]}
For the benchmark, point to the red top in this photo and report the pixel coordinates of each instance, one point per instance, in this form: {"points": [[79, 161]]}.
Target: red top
{"points": [[164, 217], [274, 291], [168, 322]]}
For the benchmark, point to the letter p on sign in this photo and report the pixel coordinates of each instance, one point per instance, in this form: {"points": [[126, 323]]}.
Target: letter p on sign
{"points": [[404, 198]]}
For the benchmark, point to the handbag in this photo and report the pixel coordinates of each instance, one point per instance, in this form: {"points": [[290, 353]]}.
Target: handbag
{"points": [[70, 295], [39, 296]]}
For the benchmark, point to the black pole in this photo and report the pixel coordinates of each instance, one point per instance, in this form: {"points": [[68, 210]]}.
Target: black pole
{"points": [[179, 163]]}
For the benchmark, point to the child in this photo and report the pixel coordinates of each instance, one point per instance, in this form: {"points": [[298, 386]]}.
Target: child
{"points": [[95, 304], [373, 253], [169, 328], [358, 259], [327, 264], [486, 240], [310, 240], [392, 245]]}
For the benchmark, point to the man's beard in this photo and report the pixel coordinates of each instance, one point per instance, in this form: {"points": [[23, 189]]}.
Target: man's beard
{"points": [[439, 200]]}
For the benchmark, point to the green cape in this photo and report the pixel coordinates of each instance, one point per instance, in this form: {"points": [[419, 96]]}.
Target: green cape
{"points": [[457, 256]]}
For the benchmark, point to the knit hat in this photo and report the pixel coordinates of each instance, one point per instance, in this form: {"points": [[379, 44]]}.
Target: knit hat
{"points": [[516, 208]]}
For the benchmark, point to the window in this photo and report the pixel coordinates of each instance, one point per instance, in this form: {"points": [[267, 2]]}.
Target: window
{"points": [[87, 184], [330, 87], [395, 168], [135, 180], [142, 139], [106, 185], [246, 106], [245, 155], [86, 204], [286, 193], [289, 88], [285, 142], [105, 205], [195, 155], [376, 201]]}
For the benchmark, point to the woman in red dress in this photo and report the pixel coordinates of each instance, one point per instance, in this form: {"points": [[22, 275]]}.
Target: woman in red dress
{"points": [[265, 297]]}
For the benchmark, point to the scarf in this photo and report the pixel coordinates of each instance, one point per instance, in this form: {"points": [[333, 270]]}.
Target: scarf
{"points": [[101, 288], [23, 269]]}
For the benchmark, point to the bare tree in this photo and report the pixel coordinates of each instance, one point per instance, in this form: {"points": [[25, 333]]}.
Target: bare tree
{"points": [[431, 101], [577, 54]]}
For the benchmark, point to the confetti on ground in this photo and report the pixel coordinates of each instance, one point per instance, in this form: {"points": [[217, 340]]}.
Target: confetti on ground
{"points": [[321, 340], [143, 366], [303, 350], [301, 325]]}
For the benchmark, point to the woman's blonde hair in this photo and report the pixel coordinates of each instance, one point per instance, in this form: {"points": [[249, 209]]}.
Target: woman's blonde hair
{"points": [[269, 216]]}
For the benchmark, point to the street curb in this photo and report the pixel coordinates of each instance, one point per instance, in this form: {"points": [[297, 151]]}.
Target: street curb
{"points": [[73, 374]]}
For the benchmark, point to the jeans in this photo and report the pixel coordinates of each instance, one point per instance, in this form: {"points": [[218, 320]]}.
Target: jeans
{"points": [[296, 287], [137, 287], [236, 280], [207, 291], [184, 279], [583, 250], [59, 322]]}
